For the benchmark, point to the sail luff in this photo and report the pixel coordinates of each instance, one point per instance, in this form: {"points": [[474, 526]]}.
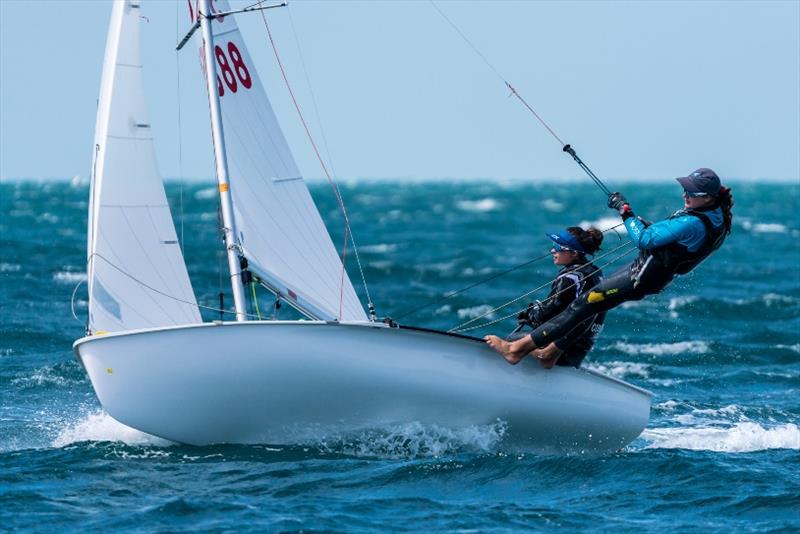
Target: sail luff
{"points": [[279, 228], [136, 273], [230, 233]]}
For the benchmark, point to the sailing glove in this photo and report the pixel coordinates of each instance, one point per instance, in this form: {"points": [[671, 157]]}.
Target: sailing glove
{"points": [[532, 315], [617, 201]]}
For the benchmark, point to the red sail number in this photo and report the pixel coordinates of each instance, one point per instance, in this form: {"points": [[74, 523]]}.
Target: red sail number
{"points": [[233, 70]]}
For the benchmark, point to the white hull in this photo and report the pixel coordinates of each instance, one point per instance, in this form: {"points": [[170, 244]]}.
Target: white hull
{"points": [[283, 382]]}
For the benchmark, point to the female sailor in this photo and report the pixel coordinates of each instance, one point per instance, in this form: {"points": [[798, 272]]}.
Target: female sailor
{"points": [[668, 248], [570, 248]]}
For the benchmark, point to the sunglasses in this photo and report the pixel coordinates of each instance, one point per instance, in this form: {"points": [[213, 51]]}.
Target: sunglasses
{"points": [[559, 248], [694, 195]]}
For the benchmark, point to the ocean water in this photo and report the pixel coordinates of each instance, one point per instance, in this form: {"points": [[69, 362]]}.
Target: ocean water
{"points": [[720, 349]]}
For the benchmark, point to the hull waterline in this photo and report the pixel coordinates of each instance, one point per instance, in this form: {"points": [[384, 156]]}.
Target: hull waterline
{"points": [[285, 382]]}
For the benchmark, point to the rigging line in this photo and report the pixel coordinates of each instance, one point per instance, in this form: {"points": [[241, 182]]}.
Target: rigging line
{"points": [[458, 329], [564, 146], [180, 125], [625, 244], [497, 73], [327, 147], [452, 294], [335, 187]]}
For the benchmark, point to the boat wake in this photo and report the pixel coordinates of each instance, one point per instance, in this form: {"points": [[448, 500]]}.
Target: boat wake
{"points": [[414, 440], [99, 426]]}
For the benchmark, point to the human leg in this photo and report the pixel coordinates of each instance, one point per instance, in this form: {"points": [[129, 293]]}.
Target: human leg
{"points": [[609, 293]]}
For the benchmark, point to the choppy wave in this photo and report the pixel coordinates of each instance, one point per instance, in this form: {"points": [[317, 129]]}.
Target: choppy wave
{"points": [[621, 369], [381, 248], [69, 277], [763, 228], [661, 349], [742, 437], [483, 205], [475, 311], [552, 205], [603, 224], [99, 426], [59, 375]]}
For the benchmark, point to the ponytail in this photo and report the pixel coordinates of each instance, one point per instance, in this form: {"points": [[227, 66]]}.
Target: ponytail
{"points": [[725, 198], [589, 239]]}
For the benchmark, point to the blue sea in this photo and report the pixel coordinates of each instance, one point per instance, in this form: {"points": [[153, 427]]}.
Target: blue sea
{"points": [[720, 350]]}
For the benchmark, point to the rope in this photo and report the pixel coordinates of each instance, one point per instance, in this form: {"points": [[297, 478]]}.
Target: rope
{"points": [[452, 294], [337, 193], [72, 300], [460, 328], [564, 146], [255, 300]]}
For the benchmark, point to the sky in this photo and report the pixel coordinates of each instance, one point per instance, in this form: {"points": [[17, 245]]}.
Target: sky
{"points": [[643, 90]]}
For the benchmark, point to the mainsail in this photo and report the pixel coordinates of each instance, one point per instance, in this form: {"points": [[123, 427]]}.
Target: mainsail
{"points": [[137, 275], [280, 230]]}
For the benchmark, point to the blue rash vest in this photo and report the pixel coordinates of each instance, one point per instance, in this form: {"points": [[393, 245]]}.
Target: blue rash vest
{"points": [[681, 228]]}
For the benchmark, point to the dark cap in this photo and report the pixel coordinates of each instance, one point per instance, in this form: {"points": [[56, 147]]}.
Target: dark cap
{"points": [[701, 181]]}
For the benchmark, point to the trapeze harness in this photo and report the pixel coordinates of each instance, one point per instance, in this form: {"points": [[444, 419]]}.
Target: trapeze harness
{"points": [[650, 273], [570, 283]]}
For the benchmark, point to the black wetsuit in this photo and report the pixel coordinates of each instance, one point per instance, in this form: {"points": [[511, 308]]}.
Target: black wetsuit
{"points": [[664, 254], [571, 281]]}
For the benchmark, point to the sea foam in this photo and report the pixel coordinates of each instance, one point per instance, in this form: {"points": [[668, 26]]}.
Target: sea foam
{"points": [[742, 437], [620, 369], [660, 349], [99, 426], [483, 205], [412, 440], [68, 277]]}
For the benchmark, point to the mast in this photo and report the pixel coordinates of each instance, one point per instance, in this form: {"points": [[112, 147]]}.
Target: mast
{"points": [[232, 247]]}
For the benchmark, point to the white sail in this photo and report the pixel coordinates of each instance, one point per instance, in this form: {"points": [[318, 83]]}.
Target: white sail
{"points": [[280, 230], [137, 275]]}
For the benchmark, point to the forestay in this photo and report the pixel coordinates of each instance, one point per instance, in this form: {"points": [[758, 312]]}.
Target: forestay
{"points": [[137, 275], [280, 230]]}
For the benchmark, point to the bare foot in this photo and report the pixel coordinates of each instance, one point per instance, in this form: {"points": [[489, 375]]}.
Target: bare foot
{"points": [[505, 349], [547, 358]]}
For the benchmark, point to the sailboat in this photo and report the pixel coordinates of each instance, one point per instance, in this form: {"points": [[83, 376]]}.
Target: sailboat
{"points": [[157, 367]]}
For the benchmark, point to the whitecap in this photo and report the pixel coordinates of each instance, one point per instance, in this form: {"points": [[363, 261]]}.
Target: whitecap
{"points": [[381, 248], [620, 369], [763, 228], [205, 194], [676, 303], [603, 224], [69, 277], [100, 426], [553, 205], [10, 267], [475, 311], [483, 205], [660, 349], [795, 347], [770, 299], [443, 309], [742, 437]]}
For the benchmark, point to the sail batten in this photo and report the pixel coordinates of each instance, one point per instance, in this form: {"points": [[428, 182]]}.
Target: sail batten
{"points": [[280, 230], [136, 275]]}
